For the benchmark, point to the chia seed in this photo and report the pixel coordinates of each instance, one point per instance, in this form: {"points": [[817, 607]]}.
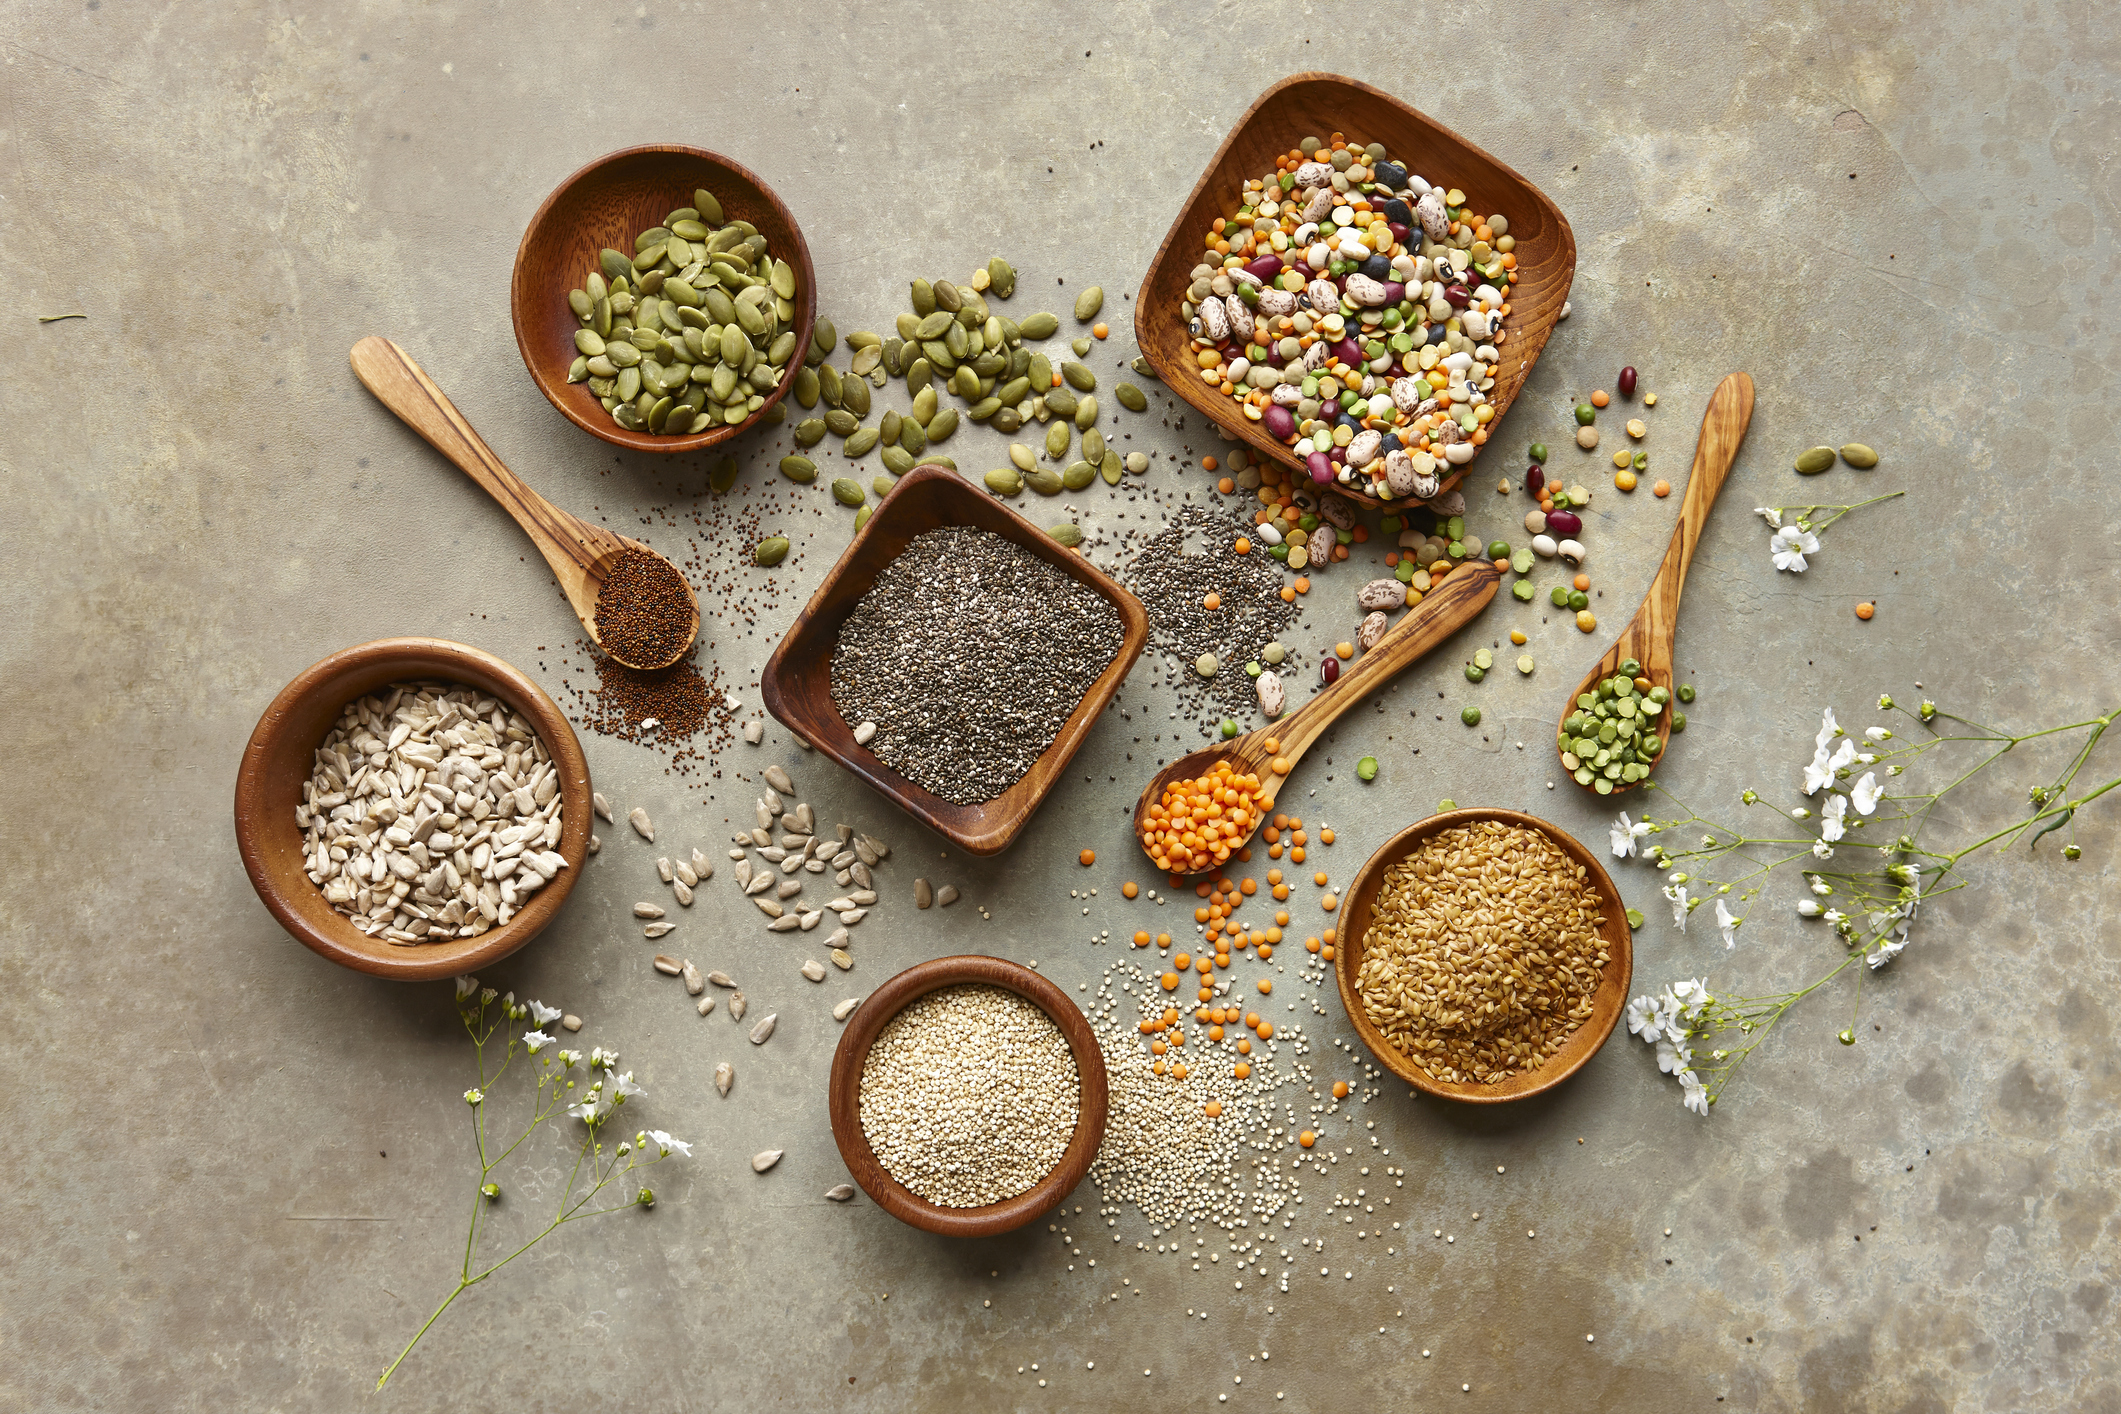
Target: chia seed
{"points": [[969, 653], [1171, 585]]}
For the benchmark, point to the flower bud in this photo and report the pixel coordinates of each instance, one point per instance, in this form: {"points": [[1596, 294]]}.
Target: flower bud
{"points": [[492, 1192], [646, 1198], [1847, 1037], [474, 1095], [1750, 797], [2070, 851], [1929, 709], [1885, 702]]}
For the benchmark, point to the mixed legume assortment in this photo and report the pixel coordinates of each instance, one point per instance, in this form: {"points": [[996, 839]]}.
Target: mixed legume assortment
{"points": [[1355, 312], [689, 332]]}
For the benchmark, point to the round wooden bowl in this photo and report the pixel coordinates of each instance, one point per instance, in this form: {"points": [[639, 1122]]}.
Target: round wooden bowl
{"points": [[277, 762], [608, 203], [1606, 1003], [845, 1097]]}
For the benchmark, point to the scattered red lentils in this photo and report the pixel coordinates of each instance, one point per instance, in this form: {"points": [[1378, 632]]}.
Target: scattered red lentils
{"points": [[1866, 609]]}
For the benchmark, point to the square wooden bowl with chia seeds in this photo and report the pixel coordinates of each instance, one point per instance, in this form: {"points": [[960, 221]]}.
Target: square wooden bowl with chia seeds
{"points": [[798, 687]]}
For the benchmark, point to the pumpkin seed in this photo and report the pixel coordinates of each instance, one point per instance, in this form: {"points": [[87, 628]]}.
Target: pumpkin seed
{"points": [[1061, 402], [948, 297], [882, 486], [1078, 475], [1014, 391], [723, 475], [771, 551], [1093, 446], [708, 208], [615, 266], [627, 385], [897, 460], [1024, 457], [1004, 482], [1088, 303], [806, 387], [964, 382], [923, 299], [847, 491], [854, 396], [866, 360], [912, 436], [824, 335], [1057, 439], [1007, 420], [1086, 412], [1079, 376], [783, 280], [1814, 460], [1142, 366], [861, 517], [1131, 398], [1046, 482], [943, 425], [842, 422], [860, 442], [579, 369], [1110, 468], [906, 324], [919, 374], [798, 468], [828, 382], [1081, 347], [1067, 534], [938, 353], [984, 409], [1859, 456], [933, 326], [1040, 326]]}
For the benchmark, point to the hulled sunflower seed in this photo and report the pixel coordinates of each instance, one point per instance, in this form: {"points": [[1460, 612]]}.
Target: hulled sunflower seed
{"points": [[647, 910], [840, 1192], [694, 983], [778, 779], [786, 923], [595, 844], [668, 965], [813, 969], [724, 1077], [657, 930], [663, 870], [737, 1005], [842, 959], [768, 907], [683, 894], [764, 1029], [765, 1159], [638, 818], [946, 895], [603, 806], [721, 979], [706, 1005], [844, 1009], [923, 893], [684, 874], [809, 919]]}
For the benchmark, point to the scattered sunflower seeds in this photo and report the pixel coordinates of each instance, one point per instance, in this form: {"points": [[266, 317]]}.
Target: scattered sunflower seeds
{"points": [[842, 1010], [724, 1077], [765, 1159], [764, 1029], [840, 1193], [638, 818]]}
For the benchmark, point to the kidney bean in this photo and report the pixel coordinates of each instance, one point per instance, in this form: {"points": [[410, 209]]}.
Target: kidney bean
{"points": [[1458, 295], [1349, 353], [1627, 382], [1321, 466], [1279, 422], [1266, 267], [1564, 523], [1329, 670], [1394, 292], [1534, 478]]}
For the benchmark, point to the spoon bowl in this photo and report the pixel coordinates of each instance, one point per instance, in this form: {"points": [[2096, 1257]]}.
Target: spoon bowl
{"points": [[1647, 640], [1465, 592], [581, 555]]}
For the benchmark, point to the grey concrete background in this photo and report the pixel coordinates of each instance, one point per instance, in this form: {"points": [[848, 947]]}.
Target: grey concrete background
{"points": [[239, 1172]]}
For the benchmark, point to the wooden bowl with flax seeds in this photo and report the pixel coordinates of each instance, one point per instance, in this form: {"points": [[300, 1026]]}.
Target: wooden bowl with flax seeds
{"points": [[1484, 955]]}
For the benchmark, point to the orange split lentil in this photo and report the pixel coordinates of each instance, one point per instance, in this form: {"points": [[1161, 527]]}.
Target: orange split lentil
{"points": [[1198, 824], [1088, 857]]}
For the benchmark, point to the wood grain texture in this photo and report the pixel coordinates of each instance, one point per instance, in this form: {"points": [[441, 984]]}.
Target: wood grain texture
{"points": [[608, 203], [1360, 900], [1649, 636], [844, 1096], [1316, 105], [797, 683], [278, 761], [579, 553], [1441, 613]]}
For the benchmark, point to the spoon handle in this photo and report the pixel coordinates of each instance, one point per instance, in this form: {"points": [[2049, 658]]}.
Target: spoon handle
{"points": [[1465, 592], [404, 387], [1723, 429]]}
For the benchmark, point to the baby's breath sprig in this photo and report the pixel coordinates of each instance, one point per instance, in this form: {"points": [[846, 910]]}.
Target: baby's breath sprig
{"points": [[1799, 537], [1868, 870], [591, 1091]]}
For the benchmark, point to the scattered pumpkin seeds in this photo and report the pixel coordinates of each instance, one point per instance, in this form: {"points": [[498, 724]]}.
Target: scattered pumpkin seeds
{"points": [[1813, 460]]}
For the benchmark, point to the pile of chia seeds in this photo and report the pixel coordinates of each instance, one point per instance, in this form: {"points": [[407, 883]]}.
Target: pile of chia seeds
{"points": [[969, 653], [1172, 586]]}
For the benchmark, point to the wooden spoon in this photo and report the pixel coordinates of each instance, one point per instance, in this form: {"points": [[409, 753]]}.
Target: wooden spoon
{"points": [[1648, 638], [580, 554], [1465, 592]]}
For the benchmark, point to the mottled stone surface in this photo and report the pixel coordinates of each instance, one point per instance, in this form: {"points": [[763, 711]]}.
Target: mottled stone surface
{"points": [[241, 1173]]}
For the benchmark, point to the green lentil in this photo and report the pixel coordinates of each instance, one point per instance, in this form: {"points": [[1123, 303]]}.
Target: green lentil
{"points": [[1366, 769]]}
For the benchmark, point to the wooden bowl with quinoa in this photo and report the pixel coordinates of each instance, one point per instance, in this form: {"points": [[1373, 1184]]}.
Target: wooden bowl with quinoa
{"points": [[850, 1060], [1392, 970]]}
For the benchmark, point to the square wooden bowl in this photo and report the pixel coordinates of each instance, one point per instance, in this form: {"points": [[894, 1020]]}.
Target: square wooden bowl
{"points": [[1606, 1003], [608, 203], [278, 761], [1317, 105], [797, 684]]}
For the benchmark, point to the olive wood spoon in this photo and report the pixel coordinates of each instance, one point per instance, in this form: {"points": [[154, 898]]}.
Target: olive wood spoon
{"points": [[1441, 613], [580, 554], [1648, 637]]}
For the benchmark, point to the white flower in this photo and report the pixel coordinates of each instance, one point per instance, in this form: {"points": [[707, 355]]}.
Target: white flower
{"points": [[1668, 1015], [1826, 766], [1878, 733], [1808, 908], [1692, 996], [570, 1059], [622, 1086], [1789, 547], [1645, 1019], [669, 1145], [1886, 953], [1727, 923], [601, 1059], [487, 994], [466, 985], [1822, 850], [1819, 886], [535, 1041], [1677, 894], [1770, 514], [1673, 1056], [1831, 816], [1828, 729], [1625, 833], [588, 1108], [1692, 1093], [1865, 793], [1835, 915], [541, 1013], [474, 1095]]}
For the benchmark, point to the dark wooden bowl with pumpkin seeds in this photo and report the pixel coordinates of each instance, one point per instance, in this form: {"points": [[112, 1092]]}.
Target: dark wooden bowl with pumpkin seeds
{"points": [[609, 204]]}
